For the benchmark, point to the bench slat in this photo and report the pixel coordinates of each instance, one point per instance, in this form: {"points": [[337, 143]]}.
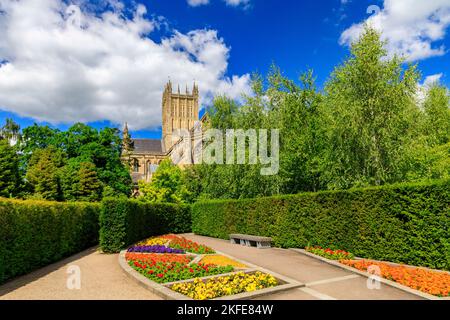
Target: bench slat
{"points": [[250, 238]]}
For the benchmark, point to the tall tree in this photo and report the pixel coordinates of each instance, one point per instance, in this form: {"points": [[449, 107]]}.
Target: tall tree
{"points": [[89, 187], [43, 173], [437, 115], [82, 143], [10, 130], [370, 111], [9, 169]]}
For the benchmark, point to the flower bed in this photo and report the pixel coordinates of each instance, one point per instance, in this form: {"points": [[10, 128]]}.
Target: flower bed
{"points": [[154, 241], [225, 285], [220, 260], [330, 254], [428, 281], [163, 272], [155, 249], [166, 258], [182, 269], [189, 246]]}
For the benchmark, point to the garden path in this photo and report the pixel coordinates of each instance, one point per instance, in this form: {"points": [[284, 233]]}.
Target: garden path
{"points": [[323, 281], [102, 278]]}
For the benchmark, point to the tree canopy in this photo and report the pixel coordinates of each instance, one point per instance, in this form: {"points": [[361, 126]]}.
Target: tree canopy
{"points": [[367, 127]]}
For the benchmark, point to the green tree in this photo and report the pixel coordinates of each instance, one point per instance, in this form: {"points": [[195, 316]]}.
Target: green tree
{"points": [[43, 174], [167, 185], [437, 115], [89, 187], [9, 169], [82, 143], [370, 114], [10, 130]]}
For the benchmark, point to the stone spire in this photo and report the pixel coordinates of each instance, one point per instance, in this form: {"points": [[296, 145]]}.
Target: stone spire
{"points": [[127, 143], [195, 90]]}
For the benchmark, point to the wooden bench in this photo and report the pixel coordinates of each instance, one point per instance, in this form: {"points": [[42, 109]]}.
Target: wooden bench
{"points": [[251, 241]]}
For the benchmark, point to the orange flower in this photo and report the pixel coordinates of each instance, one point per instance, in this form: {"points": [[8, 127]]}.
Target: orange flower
{"points": [[432, 282]]}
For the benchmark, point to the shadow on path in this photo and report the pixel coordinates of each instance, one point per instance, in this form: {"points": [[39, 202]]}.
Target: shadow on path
{"points": [[20, 281]]}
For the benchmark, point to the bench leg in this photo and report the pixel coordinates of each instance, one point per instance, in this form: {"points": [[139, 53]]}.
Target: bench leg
{"points": [[263, 245]]}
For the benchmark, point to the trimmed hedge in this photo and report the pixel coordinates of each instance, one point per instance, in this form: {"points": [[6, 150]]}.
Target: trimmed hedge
{"points": [[123, 222], [407, 223], [36, 233]]}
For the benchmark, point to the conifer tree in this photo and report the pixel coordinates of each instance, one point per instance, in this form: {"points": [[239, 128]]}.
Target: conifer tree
{"points": [[9, 169], [89, 187]]}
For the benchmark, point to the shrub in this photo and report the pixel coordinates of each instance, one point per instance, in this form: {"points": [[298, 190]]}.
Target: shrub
{"points": [[123, 222], [405, 223], [36, 233]]}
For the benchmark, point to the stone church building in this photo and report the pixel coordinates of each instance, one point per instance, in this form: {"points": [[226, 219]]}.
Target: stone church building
{"points": [[179, 111]]}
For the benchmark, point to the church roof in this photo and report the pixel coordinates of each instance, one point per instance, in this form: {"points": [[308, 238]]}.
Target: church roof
{"points": [[147, 146]]}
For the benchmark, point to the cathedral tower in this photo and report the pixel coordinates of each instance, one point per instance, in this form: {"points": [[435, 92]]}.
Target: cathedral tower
{"points": [[179, 111]]}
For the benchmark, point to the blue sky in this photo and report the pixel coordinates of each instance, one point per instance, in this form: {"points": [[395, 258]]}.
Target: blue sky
{"points": [[240, 39]]}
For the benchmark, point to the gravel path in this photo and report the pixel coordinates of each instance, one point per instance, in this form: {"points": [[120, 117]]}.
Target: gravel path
{"points": [[101, 279]]}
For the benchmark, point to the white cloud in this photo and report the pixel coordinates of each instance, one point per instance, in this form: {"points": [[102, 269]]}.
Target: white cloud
{"points": [[422, 89], [235, 3], [433, 79], [232, 3], [88, 67], [196, 3], [412, 27]]}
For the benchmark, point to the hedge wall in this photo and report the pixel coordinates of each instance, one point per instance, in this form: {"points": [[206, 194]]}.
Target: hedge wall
{"points": [[408, 223], [123, 222], [36, 233]]}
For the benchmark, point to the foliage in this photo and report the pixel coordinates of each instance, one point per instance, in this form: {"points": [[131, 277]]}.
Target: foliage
{"points": [[123, 221], [10, 130], [366, 128], [80, 144], [9, 170], [370, 113], [436, 125], [167, 185], [406, 223], [89, 187], [36, 233], [43, 173]]}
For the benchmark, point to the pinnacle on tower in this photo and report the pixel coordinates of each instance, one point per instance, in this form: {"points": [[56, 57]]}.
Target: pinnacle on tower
{"points": [[195, 90], [127, 143], [169, 87]]}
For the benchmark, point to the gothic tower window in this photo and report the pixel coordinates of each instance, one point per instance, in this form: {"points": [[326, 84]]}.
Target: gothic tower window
{"points": [[135, 165]]}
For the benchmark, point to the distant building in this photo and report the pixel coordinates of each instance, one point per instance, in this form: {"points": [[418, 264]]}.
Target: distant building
{"points": [[179, 111]]}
